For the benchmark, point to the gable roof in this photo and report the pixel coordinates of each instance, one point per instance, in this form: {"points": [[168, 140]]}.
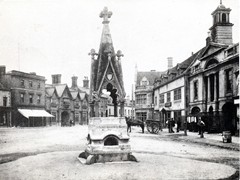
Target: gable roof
{"points": [[82, 95], [74, 94], [49, 91], [60, 89], [83, 89], [215, 47], [150, 75]]}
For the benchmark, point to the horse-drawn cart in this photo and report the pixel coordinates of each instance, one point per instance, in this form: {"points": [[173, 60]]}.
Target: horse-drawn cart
{"points": [[153, 126]]}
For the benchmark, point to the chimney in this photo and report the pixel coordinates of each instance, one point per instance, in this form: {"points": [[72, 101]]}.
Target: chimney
{"points": [[56, 79], [74, 82], [209, 38], [170, 62], [2, 70], [86, 82]]}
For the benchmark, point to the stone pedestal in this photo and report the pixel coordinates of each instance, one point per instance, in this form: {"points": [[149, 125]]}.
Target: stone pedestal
{"points": [[108, 141]]}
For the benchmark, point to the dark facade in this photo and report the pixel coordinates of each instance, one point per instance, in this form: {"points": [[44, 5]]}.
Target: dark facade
{"points": [[5, 107], [213, 79], [27, 92]]}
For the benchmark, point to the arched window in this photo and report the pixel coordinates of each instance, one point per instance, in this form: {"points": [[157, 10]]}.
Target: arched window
{"points": [[211, 63], [224, 17], [195, 110]]}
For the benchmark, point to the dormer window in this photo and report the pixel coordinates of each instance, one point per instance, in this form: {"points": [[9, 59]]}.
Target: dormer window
{"points": [[144, 81]]}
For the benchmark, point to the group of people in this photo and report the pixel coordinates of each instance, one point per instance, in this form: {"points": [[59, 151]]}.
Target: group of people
{"points": [[171, 124]]}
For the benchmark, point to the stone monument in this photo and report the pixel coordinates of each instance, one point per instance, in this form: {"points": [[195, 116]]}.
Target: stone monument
{"points": [[107, 138]]}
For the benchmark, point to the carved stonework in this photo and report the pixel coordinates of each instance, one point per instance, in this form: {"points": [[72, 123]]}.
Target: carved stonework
{"points": [[106, 69]]}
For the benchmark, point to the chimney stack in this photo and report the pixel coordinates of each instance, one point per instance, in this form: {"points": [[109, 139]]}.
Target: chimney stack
{"points": [[56, 79], [170, 62], [86, 82], [2, 70], [74, 82], [209, 38]]}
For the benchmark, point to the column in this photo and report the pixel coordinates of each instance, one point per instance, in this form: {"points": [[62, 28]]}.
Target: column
{"points": [[208, 89], [215, 87]]}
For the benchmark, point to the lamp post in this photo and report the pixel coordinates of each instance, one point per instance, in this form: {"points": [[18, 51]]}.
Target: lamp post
{"points": [[92, 53]]}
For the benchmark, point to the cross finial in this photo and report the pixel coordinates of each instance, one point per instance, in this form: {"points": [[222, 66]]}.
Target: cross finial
{"points": [[105, 14], [92, 53], [119, 54], [220, 1]]}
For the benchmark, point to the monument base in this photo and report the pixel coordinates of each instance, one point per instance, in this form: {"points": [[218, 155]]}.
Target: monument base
{"points": [[86, 158], [108, 141]]}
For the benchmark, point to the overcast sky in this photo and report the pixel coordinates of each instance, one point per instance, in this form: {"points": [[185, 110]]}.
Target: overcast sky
{"points": [[54, 36]]}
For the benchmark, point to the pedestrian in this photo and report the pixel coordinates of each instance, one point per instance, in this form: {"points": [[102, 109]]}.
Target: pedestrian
{"points": [[201, 125], [168, 125], [178, 124], [172, 122]]}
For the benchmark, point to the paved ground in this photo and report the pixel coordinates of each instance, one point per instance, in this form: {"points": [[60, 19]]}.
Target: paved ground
{"points": [[50, 153]]}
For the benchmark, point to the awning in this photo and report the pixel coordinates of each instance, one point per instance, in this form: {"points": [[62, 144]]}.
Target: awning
{"points": [[34, 113], [165, 108]]}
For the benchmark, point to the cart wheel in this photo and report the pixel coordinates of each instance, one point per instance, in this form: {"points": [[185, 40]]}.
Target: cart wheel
{"points": [[155, 128], [149, 127]]}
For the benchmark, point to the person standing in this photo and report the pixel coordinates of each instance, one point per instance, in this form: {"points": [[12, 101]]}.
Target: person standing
{"points": [[178, 124], [201, 125]]}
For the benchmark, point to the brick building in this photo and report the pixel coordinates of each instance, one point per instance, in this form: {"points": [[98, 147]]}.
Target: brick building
{"points": [[5, 106], [27, 97]]}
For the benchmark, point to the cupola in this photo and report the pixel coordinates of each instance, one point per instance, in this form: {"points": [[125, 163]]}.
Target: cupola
{"points": [[221, 30]]}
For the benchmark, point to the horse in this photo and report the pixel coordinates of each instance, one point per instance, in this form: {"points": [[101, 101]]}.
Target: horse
{"points": [[134, 122]]}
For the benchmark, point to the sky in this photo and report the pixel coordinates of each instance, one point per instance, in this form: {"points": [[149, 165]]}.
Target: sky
{"points": [[55, 36]]}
